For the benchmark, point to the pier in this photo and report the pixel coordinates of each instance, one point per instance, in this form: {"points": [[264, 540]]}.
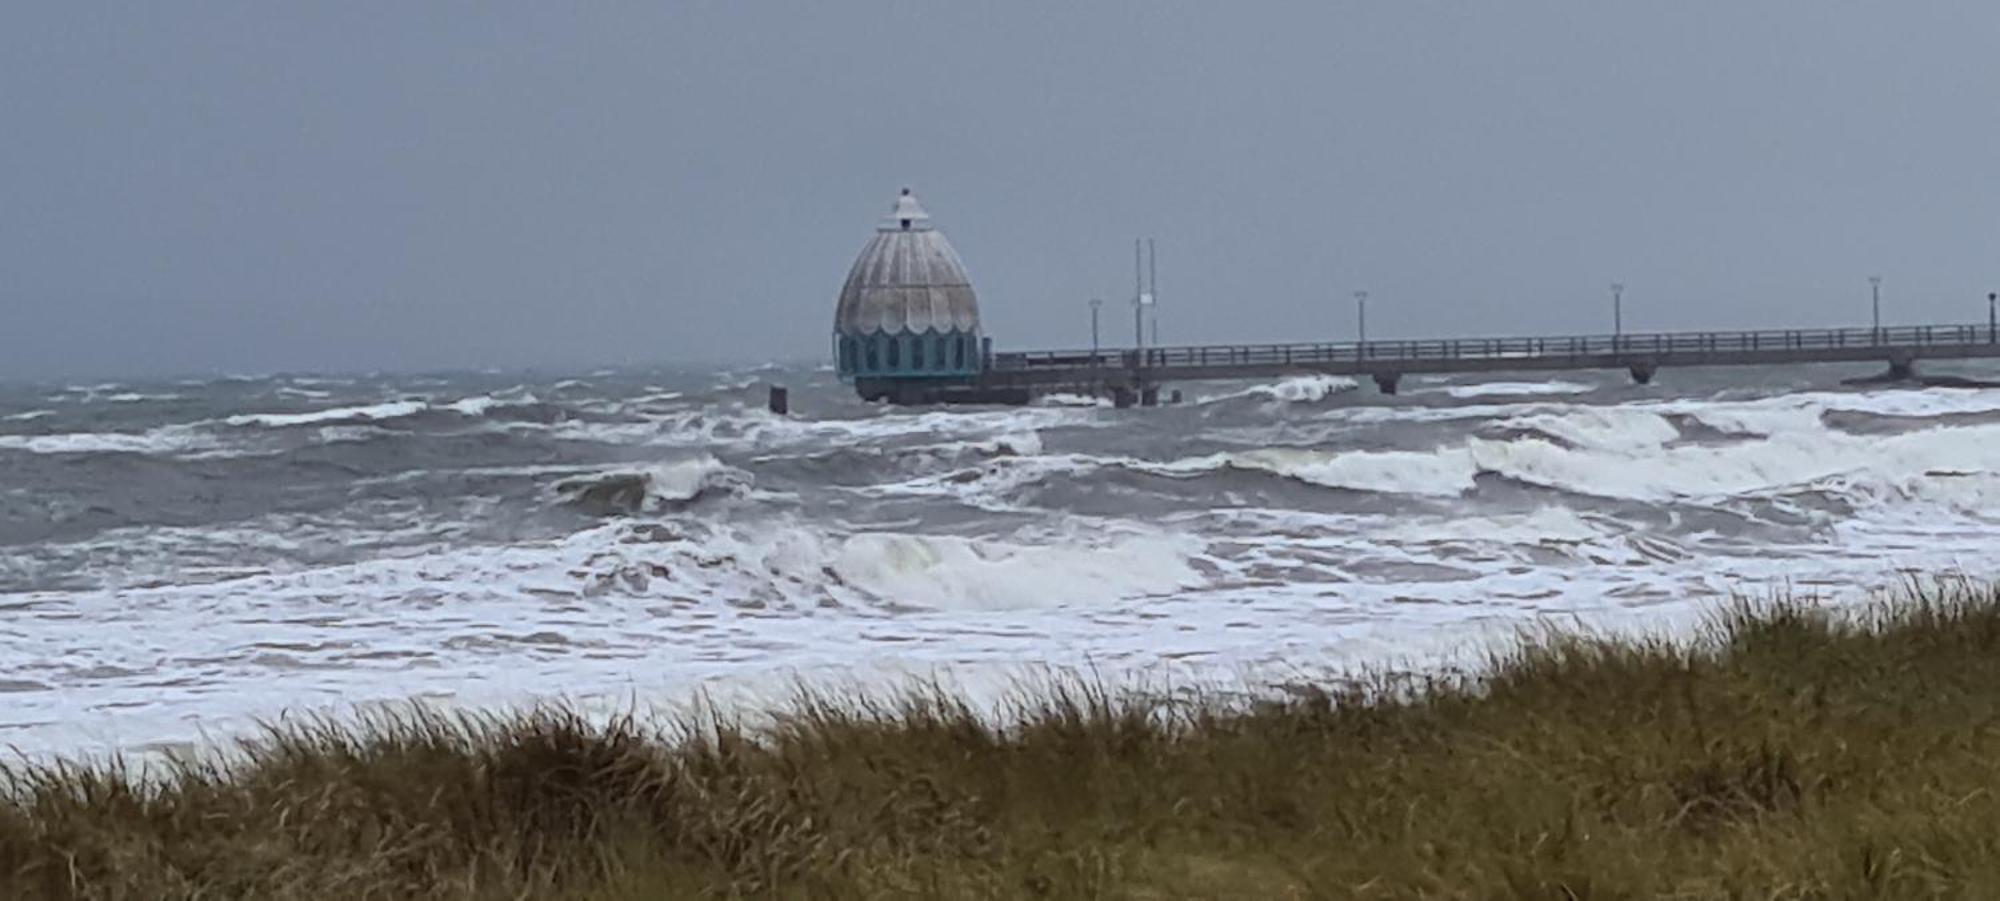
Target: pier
{"points": [[1135, 375], [907, 331]]}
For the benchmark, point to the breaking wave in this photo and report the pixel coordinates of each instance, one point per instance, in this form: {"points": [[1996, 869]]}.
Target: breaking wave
{"points": [[1303, 389], [524, 408], [334, 416], [793, 566], [176, 439], [661, 488], [1630, 455]]}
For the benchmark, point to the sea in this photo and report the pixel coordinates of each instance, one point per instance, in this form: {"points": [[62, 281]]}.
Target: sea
{"points": [[185, 561]]}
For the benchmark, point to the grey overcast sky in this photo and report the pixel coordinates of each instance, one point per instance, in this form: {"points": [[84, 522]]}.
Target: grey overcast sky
{"points": [[265, 186]]}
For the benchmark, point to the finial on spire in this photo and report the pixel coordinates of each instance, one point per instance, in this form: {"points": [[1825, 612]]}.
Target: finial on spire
{"points": [[909, 214]]}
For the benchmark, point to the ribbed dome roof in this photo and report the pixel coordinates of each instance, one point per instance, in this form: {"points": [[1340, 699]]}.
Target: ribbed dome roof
{"points": [[908, 278]]}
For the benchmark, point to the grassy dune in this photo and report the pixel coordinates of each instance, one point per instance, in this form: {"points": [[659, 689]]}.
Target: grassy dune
{"points": [[1789, 753]]}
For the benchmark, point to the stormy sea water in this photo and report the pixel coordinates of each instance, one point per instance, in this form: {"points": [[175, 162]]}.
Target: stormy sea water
{"points": [[179, 560]]}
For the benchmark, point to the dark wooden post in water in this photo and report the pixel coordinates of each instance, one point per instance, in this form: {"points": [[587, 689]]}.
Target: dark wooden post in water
{"points": [[1386, 382], [781, 401], [1642, 373]]}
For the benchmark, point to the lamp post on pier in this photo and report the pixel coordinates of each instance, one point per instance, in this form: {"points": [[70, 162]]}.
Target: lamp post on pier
{"points": [[1617, 313], [1361, 318], [1875, 300], [1141, 298], [1992, 321], [1095, 304]]}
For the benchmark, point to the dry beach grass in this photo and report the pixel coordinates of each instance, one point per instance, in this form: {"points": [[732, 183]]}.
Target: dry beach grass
{"points": [[1792, 752]]}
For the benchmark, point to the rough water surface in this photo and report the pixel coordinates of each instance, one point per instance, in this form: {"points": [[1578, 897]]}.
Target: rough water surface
{"points": [[180, 559]]}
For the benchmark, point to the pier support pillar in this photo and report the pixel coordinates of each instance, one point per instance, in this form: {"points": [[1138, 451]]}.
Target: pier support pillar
{"points": [[1149, 397], [1386, 382], [780, 400], [1123, 397], [1174, 397], [1902, 369], [1642, 373]]}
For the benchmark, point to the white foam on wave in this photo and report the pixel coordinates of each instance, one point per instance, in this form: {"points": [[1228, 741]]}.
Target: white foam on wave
{"points": [[1508, 389], [375, 412], [656, 488], [29, 416], [1781, 411], [995, 484], [791, 565], [1543, 526], [738, 426], [762, 603], [1439, 473], [166, 440], [777, 564], [1299, 389], [1803, 412], [1612, 428], [664, 604], [1012, 444], [475, 406], [307, 393], [1072, 400], [945, 572], [472, 407], [685, 480], [1629, 452]]}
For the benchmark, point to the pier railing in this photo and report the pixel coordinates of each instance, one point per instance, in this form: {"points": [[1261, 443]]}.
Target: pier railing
{"points": [[1390, 353]]}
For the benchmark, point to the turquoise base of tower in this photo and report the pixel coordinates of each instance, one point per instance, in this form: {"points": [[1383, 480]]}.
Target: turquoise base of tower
{"points": [[947, 356]]}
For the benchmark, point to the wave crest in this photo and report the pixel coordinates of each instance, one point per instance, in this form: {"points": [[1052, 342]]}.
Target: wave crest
{"points": [[666, 487]]}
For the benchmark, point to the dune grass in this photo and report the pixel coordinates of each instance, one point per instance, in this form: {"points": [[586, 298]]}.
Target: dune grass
{"points": [[1790, 752]]}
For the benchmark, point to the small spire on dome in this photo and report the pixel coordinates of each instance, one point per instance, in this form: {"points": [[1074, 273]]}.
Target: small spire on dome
{"points": [[909, 214]]}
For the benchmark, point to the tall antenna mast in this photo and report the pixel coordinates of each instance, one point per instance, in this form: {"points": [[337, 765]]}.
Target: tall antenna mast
{"points": [[1153, 278], [1138, 296]]}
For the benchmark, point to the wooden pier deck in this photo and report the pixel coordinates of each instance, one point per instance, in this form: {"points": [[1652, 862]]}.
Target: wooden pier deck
{"points": [[1133, 375]]}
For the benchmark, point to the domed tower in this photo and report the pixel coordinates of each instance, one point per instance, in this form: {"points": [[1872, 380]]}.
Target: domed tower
{"points": [[907, 318]]}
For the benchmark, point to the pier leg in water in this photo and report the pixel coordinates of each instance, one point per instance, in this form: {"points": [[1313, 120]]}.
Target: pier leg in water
{"points": [[1902, 369], [1642, 373], [1386, 382], [781, 401], [1149, 397], [1123, 397]]}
